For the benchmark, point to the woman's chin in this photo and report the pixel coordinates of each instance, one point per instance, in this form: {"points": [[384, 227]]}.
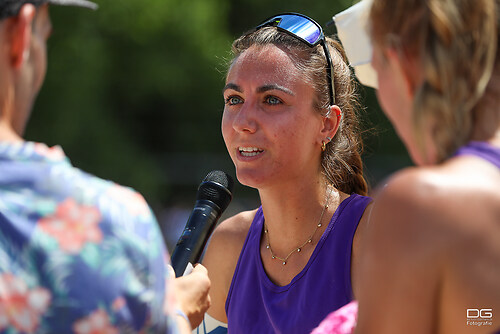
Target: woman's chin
{"points": [[250, 178]]}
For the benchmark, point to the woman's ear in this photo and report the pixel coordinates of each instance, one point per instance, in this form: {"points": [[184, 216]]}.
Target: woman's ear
{"points": [[331, 123], [20, 28]]}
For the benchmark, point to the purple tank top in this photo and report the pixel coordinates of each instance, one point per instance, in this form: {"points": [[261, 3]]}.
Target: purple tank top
{"points": [[482, 150], [255, 304]]}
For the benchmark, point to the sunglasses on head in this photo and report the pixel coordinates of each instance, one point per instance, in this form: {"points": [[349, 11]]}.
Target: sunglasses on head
{"points": [[308, 31]]}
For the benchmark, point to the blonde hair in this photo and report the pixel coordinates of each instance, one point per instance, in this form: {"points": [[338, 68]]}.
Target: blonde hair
{"points": [[454, 43], [341, 161]]}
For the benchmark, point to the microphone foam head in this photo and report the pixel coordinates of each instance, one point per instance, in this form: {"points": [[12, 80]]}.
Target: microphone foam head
{"points": [[217, 187], [221, 178]]}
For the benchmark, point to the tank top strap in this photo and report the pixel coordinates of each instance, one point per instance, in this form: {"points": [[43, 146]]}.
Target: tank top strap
{"points": [[482, 150], [246, 256], [349, 215]]}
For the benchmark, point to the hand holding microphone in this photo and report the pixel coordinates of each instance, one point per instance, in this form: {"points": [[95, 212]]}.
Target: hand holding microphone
{"points": [[191, 295]]}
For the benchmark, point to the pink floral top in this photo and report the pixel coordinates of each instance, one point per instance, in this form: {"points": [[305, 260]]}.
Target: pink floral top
{"points": [[342, 321], [77, 254]]}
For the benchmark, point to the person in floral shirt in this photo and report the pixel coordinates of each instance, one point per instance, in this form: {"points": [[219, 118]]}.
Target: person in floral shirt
{"points": [[78, 254]]}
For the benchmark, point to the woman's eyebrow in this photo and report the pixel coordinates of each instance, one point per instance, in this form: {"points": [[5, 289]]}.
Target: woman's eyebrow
{"points": [[269, 87], [261, 89], [232, 86]]}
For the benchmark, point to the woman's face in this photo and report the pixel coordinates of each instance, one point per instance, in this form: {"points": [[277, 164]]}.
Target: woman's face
{"points": [[271, 130], [396, 82]]}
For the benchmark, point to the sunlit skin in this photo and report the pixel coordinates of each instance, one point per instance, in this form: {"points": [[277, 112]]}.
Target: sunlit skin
{"points": [[393, 92], [42, 29], [397, 80], [270, 128], [27, 67]]}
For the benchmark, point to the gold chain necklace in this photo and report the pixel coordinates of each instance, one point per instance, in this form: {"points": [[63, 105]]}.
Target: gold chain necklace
{"points": [[308, 241]]}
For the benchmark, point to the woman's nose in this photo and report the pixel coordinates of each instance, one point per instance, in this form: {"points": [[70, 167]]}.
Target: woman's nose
{"points": [[245, 120]]}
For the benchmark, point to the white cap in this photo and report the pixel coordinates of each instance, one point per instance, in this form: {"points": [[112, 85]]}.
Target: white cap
{"points": [[352, 28]]}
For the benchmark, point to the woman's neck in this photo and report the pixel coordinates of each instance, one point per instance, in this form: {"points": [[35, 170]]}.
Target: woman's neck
{"points": [[292, 211], [487, 113], [7, 134], [486, 135]]}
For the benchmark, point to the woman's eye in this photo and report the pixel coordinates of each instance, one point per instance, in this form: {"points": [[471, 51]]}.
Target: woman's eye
{"points": [[233, 100], [273, 100]]}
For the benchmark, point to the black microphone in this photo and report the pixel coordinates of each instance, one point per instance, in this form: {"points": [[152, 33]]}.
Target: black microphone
{"points": [[213, 197]]}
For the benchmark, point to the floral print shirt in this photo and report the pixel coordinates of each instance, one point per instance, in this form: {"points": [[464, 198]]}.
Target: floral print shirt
{"points": [[77, 254]]}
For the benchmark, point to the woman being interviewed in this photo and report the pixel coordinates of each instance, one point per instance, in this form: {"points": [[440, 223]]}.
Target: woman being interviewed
{"points": [[292, 135]]}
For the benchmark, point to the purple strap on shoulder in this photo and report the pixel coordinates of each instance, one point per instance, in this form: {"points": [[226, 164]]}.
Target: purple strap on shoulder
{"points": [[482, 150]]}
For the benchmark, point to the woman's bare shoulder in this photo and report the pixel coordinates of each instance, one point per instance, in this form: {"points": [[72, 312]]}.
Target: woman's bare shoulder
{"points": [[229, 236], [237, 225], [436, 207], [412, 212], [408, 192]]}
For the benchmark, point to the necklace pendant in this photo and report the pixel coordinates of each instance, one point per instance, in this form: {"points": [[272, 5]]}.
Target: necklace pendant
{"points": [[284, 262], [298, 249]]}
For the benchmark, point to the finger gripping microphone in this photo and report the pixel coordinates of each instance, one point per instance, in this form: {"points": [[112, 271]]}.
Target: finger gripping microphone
{"points": [[212, 198]]}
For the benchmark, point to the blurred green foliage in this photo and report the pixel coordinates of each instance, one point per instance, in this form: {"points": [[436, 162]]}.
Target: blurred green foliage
{"points": [[133, 91]]}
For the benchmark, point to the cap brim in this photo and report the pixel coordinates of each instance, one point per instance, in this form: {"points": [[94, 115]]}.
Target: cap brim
{"points": [[78, 3], [352, 29]]}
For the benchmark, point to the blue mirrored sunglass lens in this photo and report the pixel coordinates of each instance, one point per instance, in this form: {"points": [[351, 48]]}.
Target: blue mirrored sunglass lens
{"points": [[301, 27]]}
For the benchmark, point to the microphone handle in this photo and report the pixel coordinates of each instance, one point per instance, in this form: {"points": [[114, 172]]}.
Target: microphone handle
{"points": [[193, 239]]}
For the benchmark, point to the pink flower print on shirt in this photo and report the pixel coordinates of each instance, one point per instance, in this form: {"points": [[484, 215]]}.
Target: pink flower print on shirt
{"points": [[54, 153], [96, 323], [73, 225], [118, 304], [21, 307], [132, 200], [342, 321]]}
